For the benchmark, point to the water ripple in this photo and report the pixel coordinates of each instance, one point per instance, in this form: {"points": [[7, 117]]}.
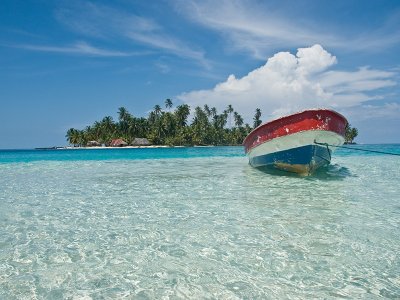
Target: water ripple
{"points": [[198, 228]]}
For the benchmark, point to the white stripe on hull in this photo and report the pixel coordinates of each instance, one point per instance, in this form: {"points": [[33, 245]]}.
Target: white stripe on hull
{"points": [[295, 140]]}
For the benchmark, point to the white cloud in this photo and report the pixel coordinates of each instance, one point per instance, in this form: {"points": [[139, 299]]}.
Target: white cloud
{"points": [[370, 112], [81, 48], [257, 26], [289, 83], [100, 21], [362, 80], [249, 26], [314, 59]]}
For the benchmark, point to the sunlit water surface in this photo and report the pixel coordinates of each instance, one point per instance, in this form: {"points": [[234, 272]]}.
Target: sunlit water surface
{"points": [[196, 223]]}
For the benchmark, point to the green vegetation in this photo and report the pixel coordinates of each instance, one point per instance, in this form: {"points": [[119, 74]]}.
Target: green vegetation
{"points": [[351, 134], [169, 127], [173, 128]]}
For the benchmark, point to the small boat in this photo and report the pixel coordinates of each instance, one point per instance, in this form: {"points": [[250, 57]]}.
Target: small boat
{"points": [[300, 143]]}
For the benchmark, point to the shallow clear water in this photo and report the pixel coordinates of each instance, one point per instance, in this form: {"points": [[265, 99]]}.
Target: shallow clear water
{"points": [[196, 223]]}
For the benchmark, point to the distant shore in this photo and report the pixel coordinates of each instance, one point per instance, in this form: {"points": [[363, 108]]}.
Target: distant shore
{"points": [[109, 147], [124, 147]]}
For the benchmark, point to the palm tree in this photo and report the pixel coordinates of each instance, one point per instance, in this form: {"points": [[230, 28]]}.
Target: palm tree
{"points": [[89, 133], [123, 114], [97, 130], [72, 136], [181, 114], [238, 119], [207, 110], [123, 125], [107, 129], [168, 124], [157, 110], [82, 138], [108, 123], [257, 116], [229, 111], [200, 127], [168, 103], [219, 121], [140, 127], [213, 112], [354, 133], [350, 134]]}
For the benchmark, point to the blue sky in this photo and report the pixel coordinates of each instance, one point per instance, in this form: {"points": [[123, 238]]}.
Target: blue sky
{"points": [[69, 63]]}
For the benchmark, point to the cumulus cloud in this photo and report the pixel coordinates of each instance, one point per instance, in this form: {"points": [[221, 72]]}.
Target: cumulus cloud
{"points": [[287, 83]]}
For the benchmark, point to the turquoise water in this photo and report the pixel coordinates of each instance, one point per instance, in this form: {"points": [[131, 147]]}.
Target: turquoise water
{"points": [[196, 223], [105, 154]]}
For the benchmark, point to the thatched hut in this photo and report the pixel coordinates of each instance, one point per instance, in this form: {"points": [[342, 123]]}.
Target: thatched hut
{"points": [[93, 144], [118, 143], [141, 142]]}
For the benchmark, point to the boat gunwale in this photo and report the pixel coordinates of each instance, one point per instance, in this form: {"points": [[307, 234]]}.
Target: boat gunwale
{"points": [[293, 115], [269, 123]]}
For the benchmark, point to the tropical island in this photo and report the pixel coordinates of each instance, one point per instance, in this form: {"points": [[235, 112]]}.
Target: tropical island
{"points": [[172, 128]]}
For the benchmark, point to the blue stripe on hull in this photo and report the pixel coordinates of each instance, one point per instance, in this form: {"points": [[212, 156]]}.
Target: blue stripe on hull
{"points": [[304, 159]]}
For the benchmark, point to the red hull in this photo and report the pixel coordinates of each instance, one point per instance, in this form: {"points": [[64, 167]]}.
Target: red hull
{"points": [[318, 119]]}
